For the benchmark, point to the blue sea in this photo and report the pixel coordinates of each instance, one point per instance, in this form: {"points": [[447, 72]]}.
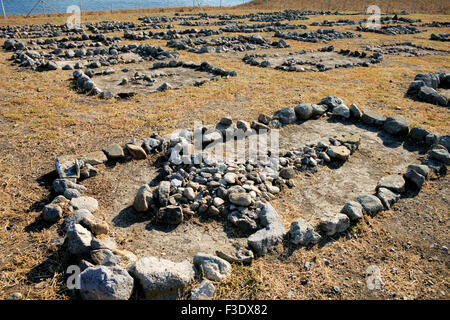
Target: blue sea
{"points": [[52, 6]]}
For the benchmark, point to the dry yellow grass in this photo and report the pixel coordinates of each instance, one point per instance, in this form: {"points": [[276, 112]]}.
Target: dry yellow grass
{"points": [[38, 126]]}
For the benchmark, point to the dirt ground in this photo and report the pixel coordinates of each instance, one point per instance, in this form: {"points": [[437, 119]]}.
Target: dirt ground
{"points": [[42, 117]]}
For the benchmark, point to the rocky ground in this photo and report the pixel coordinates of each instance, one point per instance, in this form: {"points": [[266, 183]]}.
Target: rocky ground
{"points": [[400, 253]]}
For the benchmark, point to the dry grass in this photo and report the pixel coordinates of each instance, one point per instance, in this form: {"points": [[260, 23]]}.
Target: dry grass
{"points": [[38, 126]]}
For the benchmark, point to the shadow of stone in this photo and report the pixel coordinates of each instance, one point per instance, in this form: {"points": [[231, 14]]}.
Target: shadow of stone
{"points": [[128, 216], [55, 264], [38, 225], [166, 228]]}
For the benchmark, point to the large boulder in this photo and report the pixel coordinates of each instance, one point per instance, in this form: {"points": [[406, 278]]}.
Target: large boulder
{"points": [[105, 283], [159, 276]]}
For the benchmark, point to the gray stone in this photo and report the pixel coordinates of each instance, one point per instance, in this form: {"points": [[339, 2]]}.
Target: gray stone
{"points": [[170, 215], [338, 152], [286, 115], [72, 193], [84, 202], [75, 218], [240, 199], [105, 283], [159, 276], [165, 86], [79, 240], [444, 141], [212, 267], [371, 117], [304, 111], [398, 126], [52, 213], [332, 224], [440, 155], [61, 185], [420, 168], [355, 112], [189, 194], [164, 193], [303, 233], [264, 119], [232, 255], [318, 109], [430, 95], [353, 210], [271, 235], [392, 182], [331, 101], [418, 134], [287, 173], [94, 158], [370, 203], [143, 199], [205, 291], [114, 152], [387, 197], [226, 121], [230, 177], [414, 178], [243, 125], [341, 111]]}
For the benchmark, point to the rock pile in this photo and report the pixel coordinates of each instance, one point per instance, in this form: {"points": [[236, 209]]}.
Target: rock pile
{"points": [[391, 30], [316, 36], [424, 87]]}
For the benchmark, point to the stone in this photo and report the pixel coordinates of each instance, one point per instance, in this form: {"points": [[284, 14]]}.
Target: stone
{"points": [[420, 169], [94, 158], [430, 95], [414, 178], [397, 126], [243, 125], [84, 202], [96, 227], [287, 173], [79, 240], [136, 152], [338, 152], [143, 199], [52, 213], [75, 218], [440, 155], [387, 197], [105, 283], [232, 255], [264, 119], [302, 233], [272, 234], [418, 134], [332, 224], [68, 167], [159, 276], [257, 126], [444, 141], [164, 193], [373, 118], [104, 243], [353, 210], [355, 112], [189, 194], [245, 224], [341, 111], [205, 291], [304, 111], [318, 109], [230, 177], [393, 182], [61, 185], [212, 267], [165, 86], [240, 199], [114, 152], [104, 257], [286, 115], [226, 121], [370, 203], [331, 101], [72, 193], [170, 215]]}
